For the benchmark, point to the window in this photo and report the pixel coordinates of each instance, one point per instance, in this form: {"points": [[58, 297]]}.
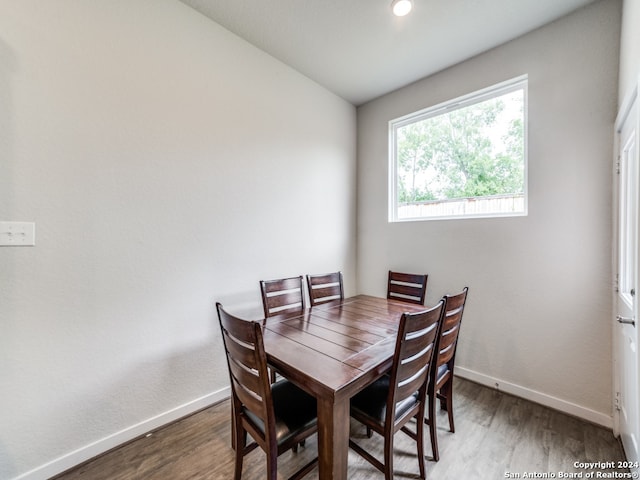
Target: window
{"points": [[462, 158], [628, 214]]}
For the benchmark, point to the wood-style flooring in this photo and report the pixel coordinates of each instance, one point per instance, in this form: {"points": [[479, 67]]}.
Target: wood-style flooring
{"points": [[497, 436]]}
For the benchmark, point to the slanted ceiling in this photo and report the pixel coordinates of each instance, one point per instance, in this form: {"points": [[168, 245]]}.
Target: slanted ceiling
{"points": [[359, 50]]}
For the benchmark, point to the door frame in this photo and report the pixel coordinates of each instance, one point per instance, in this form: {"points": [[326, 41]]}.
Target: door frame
{"points": [[623, 115]]}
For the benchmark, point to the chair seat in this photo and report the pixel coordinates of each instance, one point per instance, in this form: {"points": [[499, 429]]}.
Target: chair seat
{"points": [[372, 401], [294, 410], [442, 371]]}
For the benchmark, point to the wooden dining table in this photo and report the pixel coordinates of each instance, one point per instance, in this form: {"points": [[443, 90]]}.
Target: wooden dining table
{"points": [[333, 351]]}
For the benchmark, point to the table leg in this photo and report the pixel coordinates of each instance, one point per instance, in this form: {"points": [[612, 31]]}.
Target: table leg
{"points": [[333, 438]]}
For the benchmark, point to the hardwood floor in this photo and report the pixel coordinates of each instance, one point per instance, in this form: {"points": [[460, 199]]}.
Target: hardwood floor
{"points": [[497, 436]]}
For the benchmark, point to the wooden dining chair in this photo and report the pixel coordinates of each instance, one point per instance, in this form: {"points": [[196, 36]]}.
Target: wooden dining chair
{"points": [[441, 382], [387, 405], [277, 416], [325, 288], [407, 287], [282, 296]]}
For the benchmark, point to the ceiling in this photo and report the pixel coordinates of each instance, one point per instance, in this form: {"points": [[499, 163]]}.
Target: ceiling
{"points": [[359, 50]]}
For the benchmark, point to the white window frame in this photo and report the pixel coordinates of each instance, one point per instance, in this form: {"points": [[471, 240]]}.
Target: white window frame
{"points": [[628, 219], [518, 83]]}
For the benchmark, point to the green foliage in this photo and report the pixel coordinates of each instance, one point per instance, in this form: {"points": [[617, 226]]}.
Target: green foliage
{"points": [[474, 151]]}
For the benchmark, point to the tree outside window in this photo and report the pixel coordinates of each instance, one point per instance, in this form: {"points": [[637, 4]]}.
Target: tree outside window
{"points": [[463, 158]]}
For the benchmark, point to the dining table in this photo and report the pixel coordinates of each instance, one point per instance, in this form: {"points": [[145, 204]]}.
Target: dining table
{"points": [[333, 351]]}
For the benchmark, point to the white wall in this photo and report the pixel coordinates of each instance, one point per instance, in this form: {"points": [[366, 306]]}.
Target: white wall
{"points": [[167, 164], [538, 314], [629, 48]]}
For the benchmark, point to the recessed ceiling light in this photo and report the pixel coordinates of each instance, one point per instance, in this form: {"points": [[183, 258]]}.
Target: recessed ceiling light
{"points": [[401, 7]]}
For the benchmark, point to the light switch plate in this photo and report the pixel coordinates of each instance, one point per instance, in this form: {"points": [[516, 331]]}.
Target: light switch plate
{"points": [[17, 234]]}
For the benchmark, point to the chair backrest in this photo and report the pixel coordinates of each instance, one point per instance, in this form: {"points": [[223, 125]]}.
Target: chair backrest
{"points": [[450, 328], [325, 287], [415, 346], [247, 362], [282, 296], [408, 287]]}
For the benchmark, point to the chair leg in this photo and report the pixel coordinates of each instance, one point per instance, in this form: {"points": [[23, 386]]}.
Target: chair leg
{"points": [[272, 464], [420, 442], [294, 449], [443, 400], [448, 394], [240, 440], [431, 421], [388, 457], [233, 428]]}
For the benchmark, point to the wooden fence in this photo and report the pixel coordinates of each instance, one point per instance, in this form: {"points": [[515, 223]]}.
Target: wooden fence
{"points": [[480, 206]]}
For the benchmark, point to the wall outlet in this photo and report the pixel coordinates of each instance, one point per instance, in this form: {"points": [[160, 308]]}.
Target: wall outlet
{"points": [[17, 234]]}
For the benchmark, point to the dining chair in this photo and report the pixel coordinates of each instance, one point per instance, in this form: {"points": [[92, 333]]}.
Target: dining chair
{"points": [[387, 405], [325, 288], [441, 382], [407, 287], [282, 296], [277, 416]]}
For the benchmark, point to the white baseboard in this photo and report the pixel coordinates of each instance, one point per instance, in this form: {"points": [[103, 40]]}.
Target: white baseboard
{"points": [[94, 449], [537, 397]]}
